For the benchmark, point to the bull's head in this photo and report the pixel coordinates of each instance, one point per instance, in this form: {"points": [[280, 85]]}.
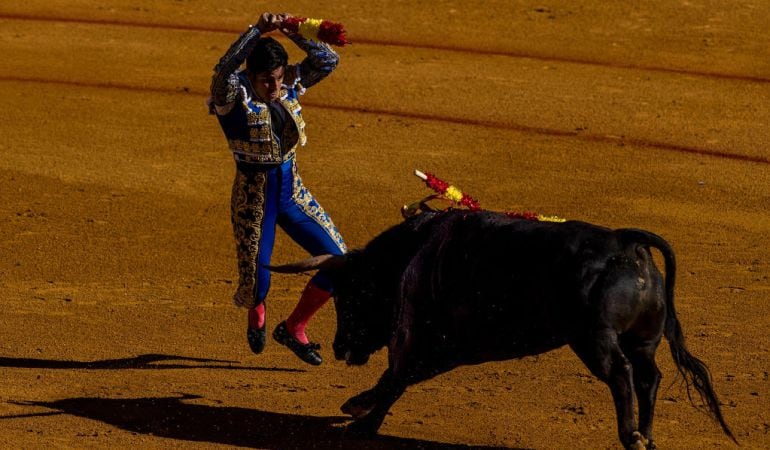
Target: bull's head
{"points": [[363, 316]]}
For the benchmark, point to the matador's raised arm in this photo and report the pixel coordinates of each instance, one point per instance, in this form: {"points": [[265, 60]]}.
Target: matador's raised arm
{"points": [[224, 83], [317, 65]]}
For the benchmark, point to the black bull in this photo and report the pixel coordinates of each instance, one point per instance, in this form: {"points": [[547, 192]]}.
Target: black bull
{"points": [[453, 288]]}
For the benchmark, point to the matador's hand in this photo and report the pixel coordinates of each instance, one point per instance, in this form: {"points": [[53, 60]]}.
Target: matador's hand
{"points": [[269, 21]]}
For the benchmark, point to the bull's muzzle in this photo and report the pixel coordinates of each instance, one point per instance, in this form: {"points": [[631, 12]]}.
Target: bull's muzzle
{"points": [[352, 358], [356, 359], [340, 351]]}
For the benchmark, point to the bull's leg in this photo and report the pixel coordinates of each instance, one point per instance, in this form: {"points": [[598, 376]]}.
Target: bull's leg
{"points": [[372, 406], [646, 381], [369, 408], [602, 355], [363, 403], [403, 370]]}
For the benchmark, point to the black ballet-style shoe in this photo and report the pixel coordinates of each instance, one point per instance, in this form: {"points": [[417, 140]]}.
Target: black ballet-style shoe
{"points": [[306, 352], [256, 339]]}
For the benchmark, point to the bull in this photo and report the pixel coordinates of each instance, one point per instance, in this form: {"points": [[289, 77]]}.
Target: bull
{"points": [[452, 288]]}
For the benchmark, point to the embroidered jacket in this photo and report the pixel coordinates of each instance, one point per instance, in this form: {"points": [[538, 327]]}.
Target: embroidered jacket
{"points": [[245, 120]]}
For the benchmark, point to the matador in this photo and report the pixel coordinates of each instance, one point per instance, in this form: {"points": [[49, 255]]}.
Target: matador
{"points": [[259, 112]]}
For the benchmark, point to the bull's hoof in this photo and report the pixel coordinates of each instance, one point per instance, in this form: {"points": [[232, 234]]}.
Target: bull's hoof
{"points": [[360, 430], [638, 442], [359, 405], [355, 409]]}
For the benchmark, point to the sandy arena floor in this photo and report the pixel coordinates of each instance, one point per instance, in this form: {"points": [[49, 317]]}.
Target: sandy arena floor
{"points": [[117, 261]]}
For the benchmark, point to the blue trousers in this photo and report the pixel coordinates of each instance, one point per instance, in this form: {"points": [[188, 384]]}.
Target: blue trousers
{"points": [[262, 198]]}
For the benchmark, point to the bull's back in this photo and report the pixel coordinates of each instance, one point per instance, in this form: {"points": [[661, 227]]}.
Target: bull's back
{"points": [[512, 285]]}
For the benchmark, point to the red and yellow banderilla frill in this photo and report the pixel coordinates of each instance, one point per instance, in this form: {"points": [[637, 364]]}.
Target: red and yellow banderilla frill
{"points": [[452, 193]]}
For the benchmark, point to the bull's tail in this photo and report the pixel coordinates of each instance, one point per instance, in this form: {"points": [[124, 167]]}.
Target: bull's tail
{"points": [[694, 371]]}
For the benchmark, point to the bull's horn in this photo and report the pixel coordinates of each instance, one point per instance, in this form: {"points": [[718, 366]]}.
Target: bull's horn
{"points": [[320, 262]]}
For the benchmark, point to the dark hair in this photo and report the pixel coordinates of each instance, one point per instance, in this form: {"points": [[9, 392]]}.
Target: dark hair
{"points": [[267, 56]]}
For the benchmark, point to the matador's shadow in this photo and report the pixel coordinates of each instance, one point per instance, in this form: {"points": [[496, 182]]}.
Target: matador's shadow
{"points": [[150, 361], [173, 417]]}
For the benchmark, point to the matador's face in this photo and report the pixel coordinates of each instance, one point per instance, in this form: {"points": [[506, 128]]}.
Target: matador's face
{"points": [[267, 84]]}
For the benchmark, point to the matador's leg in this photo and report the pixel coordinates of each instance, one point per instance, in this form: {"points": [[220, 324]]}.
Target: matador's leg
{"points": [[247, 211], [306, 222]]}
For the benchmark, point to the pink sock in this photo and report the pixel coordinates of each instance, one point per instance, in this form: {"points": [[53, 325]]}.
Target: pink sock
{"points": [[313, 298], [257, 316]]}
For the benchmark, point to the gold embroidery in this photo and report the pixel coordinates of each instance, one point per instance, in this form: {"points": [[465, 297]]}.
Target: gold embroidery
{"points": [[260, 134], [254, 152], [256, 116], [261, 148], [296, 133], [314, 210], [247, 209]]}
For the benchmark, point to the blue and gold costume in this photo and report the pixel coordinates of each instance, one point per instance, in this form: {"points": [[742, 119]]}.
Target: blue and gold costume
{"points": [[267, 189]]}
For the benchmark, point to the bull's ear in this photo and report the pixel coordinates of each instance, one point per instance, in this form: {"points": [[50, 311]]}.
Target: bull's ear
{"points": [[320, 262]]}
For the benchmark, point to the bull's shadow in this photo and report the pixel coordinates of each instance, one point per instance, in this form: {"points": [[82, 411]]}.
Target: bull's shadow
{"points": [[149, 361], [173, 417]]}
